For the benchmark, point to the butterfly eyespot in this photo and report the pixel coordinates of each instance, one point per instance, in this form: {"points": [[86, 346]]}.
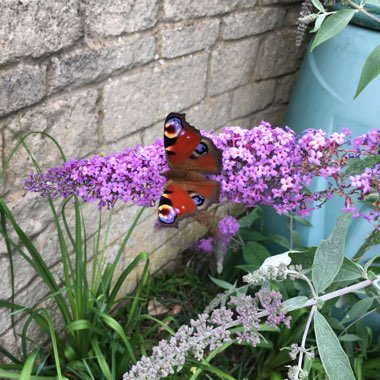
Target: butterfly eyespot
{"points": [[201, 149], [173, 128], [198, 199], [167, 214]]}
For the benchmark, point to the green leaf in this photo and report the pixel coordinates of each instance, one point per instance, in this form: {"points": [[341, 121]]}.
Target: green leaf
{"points": [[304, 258], [356, 167], [372, 239], [247, 220], [318, 5], [329, 256], [349, 338], [223, 284], [332, 26], [28, 366], [255, 253], [362, 332], [295, 303], [349, 271], [318, 22], [357, 310], [334, 360], [370, 71]]}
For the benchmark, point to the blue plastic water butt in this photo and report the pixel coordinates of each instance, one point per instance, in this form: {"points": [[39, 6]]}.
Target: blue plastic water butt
{"points": [[323, 99]]}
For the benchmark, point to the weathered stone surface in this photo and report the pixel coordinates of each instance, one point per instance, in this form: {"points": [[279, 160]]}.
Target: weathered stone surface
{"points": [[251, 98], [33, 28], [182, 9], [284, 88], [278, 55], [274, 114], [248, 23], [5, 280], [150, 134], [114, 17], [232, 64], [292, 15], [140, 99], [179, 39], [271, 2], [72, 119], [244, 122], [85, 65], [210, 114], [21, 86]]}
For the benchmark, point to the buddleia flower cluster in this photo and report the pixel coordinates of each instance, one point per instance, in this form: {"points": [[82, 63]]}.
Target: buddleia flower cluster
{"points": [[211, 331], [263, 165]]}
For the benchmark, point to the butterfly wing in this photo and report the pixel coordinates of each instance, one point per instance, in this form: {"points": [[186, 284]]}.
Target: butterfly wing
{"points": [[183, 198], [186, 149]]}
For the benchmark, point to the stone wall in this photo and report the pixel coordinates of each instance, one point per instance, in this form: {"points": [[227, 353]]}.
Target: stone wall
{"points": [[102, 75]]}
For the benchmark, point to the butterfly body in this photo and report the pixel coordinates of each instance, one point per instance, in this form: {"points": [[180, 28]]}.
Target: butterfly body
{"points": [[190, 157]]}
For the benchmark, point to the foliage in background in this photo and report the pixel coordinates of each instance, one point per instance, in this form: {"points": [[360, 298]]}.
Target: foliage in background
{"points": [[328, 23]]}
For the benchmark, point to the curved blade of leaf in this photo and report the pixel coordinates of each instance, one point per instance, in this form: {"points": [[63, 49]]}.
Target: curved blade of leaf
{"points": [[370, 71], [334, 359], [329, 256], [332, 26]]}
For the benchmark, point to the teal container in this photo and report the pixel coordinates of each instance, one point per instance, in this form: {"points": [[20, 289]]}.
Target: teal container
{"points": [[323, 99]]}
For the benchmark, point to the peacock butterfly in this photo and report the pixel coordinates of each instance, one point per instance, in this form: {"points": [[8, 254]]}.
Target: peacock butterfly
{"points": [[190, 157]]}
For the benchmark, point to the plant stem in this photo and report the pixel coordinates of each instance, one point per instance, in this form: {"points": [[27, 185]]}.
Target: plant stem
{"points": [[361, 9]]}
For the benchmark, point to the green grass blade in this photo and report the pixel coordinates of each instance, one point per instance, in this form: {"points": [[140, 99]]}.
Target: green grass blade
{"points": [[4, 374], [110, 270], [101, 359], [39, 264], [28, 366], [9, 355], [111, 322]]}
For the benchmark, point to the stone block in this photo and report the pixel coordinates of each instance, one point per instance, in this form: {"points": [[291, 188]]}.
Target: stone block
{"points": [[179, 39], [140, 99], [284, 88], [278, 55], [211, 113], [5, 280], [251, 98], [243, 122], [274, 114], [257, 21], [34, 28], [292, 15], [183, 9], [272, 2], [85, 65], [71, 119], [21, 86], [114, 17], [232, 64]]}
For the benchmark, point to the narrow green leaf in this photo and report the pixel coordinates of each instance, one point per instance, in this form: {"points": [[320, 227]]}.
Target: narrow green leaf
{"points": [[318, 5], [362, 332], [247, 220], [28, 366], [349, 271], [101, 359], [372, 239], [358, 309], [334, 359], [370, 71], [295, 303], [356, 167], [223, 284], [318, 22], [349, 338], [332, 26], [329, 256]]}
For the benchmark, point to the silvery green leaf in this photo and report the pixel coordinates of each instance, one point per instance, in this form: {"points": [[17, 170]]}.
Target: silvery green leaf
{"points": [[332, 26], [295, 303], [318, 5], [318, 22], [349, 271], [334, 359], [349, 338], [357, 310], [329, 256]]}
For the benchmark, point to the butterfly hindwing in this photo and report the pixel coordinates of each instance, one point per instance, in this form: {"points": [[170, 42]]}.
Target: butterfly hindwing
{"points": [[182, 198]]}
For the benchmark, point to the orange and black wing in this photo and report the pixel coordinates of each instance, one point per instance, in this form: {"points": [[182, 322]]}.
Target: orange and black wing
{"points": [[182, 198], [187, 149]]}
